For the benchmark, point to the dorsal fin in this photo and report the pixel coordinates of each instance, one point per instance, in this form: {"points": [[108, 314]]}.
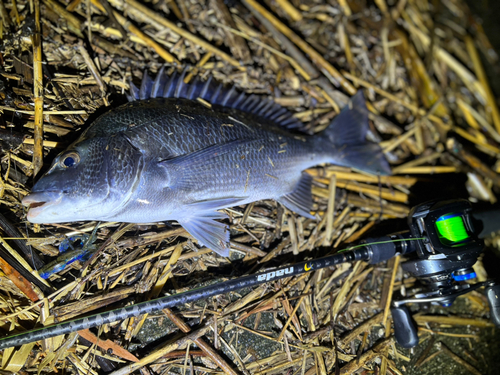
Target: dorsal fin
{"points": [[215, 93]]}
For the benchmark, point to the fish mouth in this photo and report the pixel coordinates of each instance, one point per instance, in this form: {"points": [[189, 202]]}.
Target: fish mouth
{"points": [[38, 202]]}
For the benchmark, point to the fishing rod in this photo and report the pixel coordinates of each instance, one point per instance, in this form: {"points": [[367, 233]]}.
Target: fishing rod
{"points": [[442, 239]]}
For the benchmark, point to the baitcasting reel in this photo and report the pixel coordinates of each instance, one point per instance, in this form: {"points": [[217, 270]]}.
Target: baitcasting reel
{"points": [[446, 245]]}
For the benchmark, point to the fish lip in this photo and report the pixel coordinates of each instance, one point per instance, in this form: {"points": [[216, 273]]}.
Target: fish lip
{"points": [[42, 197], [39, 201]]}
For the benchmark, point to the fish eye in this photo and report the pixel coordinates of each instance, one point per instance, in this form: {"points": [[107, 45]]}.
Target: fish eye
{"points": [[71, 159]]}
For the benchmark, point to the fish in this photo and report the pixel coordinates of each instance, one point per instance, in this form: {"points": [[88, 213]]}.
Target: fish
{"points": [[184, 152]]}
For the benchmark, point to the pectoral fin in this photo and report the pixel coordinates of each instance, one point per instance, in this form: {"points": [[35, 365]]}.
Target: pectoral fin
{"points": [[216, 203], [300, 199], [208, 232], [188, 170]]}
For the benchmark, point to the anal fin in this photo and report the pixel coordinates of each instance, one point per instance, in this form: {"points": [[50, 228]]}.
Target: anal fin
{"points": [[208, 232], [300, 199]]}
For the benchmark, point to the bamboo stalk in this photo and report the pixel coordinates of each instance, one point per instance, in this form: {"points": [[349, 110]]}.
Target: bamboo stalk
{"points": [[24, 285], [477, 140], [37, 93], [319, 60], [161, 352], [387, 306], [32, 113], [394, 98], [50, 144], [417, 162], [384, 193], [72, 6], [303, 72], [353, 366], [382, 6], [352, 176], [477, 117], [428, 170], [289, 9], [16, 13], [107, 345], [456, 148], [91, 66], [184, 33], [290, 318], [73, 23], [345, 7], [467, 77], [237, 45], [360, 232], [202, 344], [453, 320], [109, 11], [167, 56], [459, 360], [5, 15], [330, 212]]}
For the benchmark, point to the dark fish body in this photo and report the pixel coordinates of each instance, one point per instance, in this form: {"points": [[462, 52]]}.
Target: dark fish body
{"points": [[177, 159], [230, 155]]}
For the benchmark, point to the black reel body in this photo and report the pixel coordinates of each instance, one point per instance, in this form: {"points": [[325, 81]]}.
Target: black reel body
{"points": [[448, 245], [445, 246]]}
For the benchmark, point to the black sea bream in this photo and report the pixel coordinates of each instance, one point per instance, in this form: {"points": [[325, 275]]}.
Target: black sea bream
{"points": [[167, 156]]}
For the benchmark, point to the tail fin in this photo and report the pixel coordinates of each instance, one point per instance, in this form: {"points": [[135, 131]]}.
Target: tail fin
{"points": [[348, 131]]}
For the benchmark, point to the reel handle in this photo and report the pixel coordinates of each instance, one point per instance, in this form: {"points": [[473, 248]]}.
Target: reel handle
{"points": [[405, 330], [493, 295]]}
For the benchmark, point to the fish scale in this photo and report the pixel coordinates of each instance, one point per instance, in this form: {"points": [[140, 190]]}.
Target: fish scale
{"points": [[173, 158]]}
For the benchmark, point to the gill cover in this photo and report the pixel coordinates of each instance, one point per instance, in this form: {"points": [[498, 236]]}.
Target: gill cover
{"points": [[93, 179]]}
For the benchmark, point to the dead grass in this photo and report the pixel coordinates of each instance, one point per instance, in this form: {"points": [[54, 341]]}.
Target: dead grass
{"points": [[432, 110]]}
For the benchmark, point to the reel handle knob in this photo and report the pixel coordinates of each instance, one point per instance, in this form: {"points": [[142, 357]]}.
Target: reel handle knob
{"points": [[493, 295], [405, 329]]}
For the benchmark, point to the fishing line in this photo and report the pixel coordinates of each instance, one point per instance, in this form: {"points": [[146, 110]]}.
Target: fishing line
{"points": [[381, 243], [28, 238], [351, 254], [379, 182]]}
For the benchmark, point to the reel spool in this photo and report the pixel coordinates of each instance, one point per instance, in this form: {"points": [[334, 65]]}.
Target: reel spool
{"points": [[451, 229]]}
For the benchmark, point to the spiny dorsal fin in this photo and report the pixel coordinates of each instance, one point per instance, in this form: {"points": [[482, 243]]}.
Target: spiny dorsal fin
{"points": [[164, 86]]}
